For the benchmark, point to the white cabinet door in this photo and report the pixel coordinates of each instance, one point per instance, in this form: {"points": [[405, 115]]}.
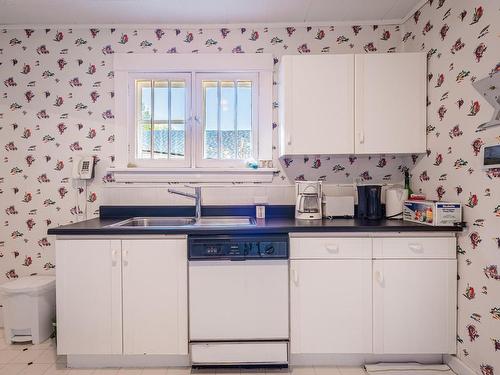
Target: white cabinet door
{"points": [[331, 306], [390, 98], [414, 306], [88, 282], [155, 296], [317, 104]]}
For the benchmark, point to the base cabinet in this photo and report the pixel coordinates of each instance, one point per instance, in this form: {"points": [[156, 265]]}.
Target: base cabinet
{"points": [[414, 306], [331, 310], [155, 296], [380, 295], [88, 297], [122, 296], [360, 295]]}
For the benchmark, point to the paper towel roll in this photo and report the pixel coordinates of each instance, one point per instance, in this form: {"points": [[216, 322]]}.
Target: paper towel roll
{"points": [[394, 199]]}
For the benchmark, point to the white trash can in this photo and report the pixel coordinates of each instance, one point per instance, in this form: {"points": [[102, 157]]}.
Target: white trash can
{"points": [[29, 308]]}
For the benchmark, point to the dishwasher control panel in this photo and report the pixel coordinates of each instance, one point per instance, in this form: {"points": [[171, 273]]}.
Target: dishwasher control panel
{"points": [[237, 247]]}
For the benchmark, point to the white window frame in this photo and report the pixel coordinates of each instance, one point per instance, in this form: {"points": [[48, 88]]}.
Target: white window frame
{"points": [[125, 65], [133, 128], [199, 118]]}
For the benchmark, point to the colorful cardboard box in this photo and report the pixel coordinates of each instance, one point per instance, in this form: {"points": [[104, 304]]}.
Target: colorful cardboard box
{"points": [[432, 212]]}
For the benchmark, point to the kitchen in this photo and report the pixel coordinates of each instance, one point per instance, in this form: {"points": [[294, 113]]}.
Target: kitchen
{"points": [[230, 210]]}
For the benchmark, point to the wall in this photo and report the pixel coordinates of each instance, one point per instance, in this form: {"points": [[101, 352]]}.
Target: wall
{"points": [[57, 101], [461, 39]]}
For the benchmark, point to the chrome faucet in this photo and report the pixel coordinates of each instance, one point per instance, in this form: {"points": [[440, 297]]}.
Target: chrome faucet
{"points": [[196, 196]]}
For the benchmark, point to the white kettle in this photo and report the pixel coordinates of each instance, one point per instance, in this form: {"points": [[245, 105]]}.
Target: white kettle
{"points": [[394, 199]]}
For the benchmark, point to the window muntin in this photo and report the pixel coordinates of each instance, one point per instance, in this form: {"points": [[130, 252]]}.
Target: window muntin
{"points": [[161, 119]]}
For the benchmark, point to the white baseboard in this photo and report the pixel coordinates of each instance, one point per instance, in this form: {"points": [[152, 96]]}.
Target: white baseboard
{"points": [[458, 366], [100, 361], [360, 359]]}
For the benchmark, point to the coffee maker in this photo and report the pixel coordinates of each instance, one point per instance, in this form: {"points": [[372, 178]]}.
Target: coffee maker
{"points": [[309, 196], [369, 203]]}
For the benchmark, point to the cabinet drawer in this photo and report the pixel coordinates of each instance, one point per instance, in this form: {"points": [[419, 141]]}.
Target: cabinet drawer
{"points": [[330, 247], [414, 247], [212, 353]]}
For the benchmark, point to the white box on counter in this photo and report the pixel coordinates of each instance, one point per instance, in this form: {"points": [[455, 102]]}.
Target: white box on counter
{"points": [[338, 206], [432, 212]]}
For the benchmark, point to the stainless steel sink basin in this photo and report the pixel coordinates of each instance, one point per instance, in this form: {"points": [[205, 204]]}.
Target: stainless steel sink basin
{"points": [[174, 222], [225, 221], [155, 222]]}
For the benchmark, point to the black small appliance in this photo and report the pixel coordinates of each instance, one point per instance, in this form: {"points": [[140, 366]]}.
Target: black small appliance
{"points": [[369, 203]]}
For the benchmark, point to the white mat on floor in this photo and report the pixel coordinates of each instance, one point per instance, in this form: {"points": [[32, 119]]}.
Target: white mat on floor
{"points": [[407, 369]]}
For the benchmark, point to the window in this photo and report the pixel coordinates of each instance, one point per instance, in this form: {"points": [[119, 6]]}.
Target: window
{"points": [[227, 107], [161, 119], [222, 132], [192, 117]]}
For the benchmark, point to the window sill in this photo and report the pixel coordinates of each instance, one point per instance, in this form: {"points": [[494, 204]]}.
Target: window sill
{"points": [[228, 175]]}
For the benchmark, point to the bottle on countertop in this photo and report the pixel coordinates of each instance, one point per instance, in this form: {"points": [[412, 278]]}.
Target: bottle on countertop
{"points": [[407, 183]]}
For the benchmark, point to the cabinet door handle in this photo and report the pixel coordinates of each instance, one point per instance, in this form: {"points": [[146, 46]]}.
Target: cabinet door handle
{"points": [[113, 258], [332, 248], [125, 258], [295, 277], [289, 140], [361, 136], [379, 276], [416, 247]]}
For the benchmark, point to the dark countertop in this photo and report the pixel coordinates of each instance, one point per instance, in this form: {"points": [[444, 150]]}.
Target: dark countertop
{"points": [[278, 221]]}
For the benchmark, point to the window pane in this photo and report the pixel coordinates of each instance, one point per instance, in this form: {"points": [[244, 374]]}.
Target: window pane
{"points": [[211, 117], [178, 123], [144, 110], [160, 119], [244, 115], [228, 120]]}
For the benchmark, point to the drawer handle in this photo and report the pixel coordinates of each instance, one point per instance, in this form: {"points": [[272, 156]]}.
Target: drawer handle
{"points": [[332, 248], [416, 247], [379, 276]]}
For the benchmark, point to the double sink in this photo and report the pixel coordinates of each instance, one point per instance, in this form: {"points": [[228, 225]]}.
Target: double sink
{"points": [[175, 222], [186, 222]]}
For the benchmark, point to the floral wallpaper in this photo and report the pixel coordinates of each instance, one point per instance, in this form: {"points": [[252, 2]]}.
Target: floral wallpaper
{"points": [[57, 101], [462, 42]]}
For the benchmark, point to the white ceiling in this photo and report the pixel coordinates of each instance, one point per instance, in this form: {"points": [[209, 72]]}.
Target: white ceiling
{"points": [[176, 12]]}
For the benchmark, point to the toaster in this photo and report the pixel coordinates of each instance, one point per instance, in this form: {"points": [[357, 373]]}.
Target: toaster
{"points": [[338, 206]]}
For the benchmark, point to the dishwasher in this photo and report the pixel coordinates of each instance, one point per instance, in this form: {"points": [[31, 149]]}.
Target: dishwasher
{"points": [[238, 300]]}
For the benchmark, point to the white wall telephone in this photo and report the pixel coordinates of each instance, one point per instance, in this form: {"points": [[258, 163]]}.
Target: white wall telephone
{"points": [[83, 167]]}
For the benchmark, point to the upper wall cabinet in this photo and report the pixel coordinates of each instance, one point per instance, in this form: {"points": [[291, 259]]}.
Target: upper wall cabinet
{"points": [[353, 104], [317, 104], [390, 103]]}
